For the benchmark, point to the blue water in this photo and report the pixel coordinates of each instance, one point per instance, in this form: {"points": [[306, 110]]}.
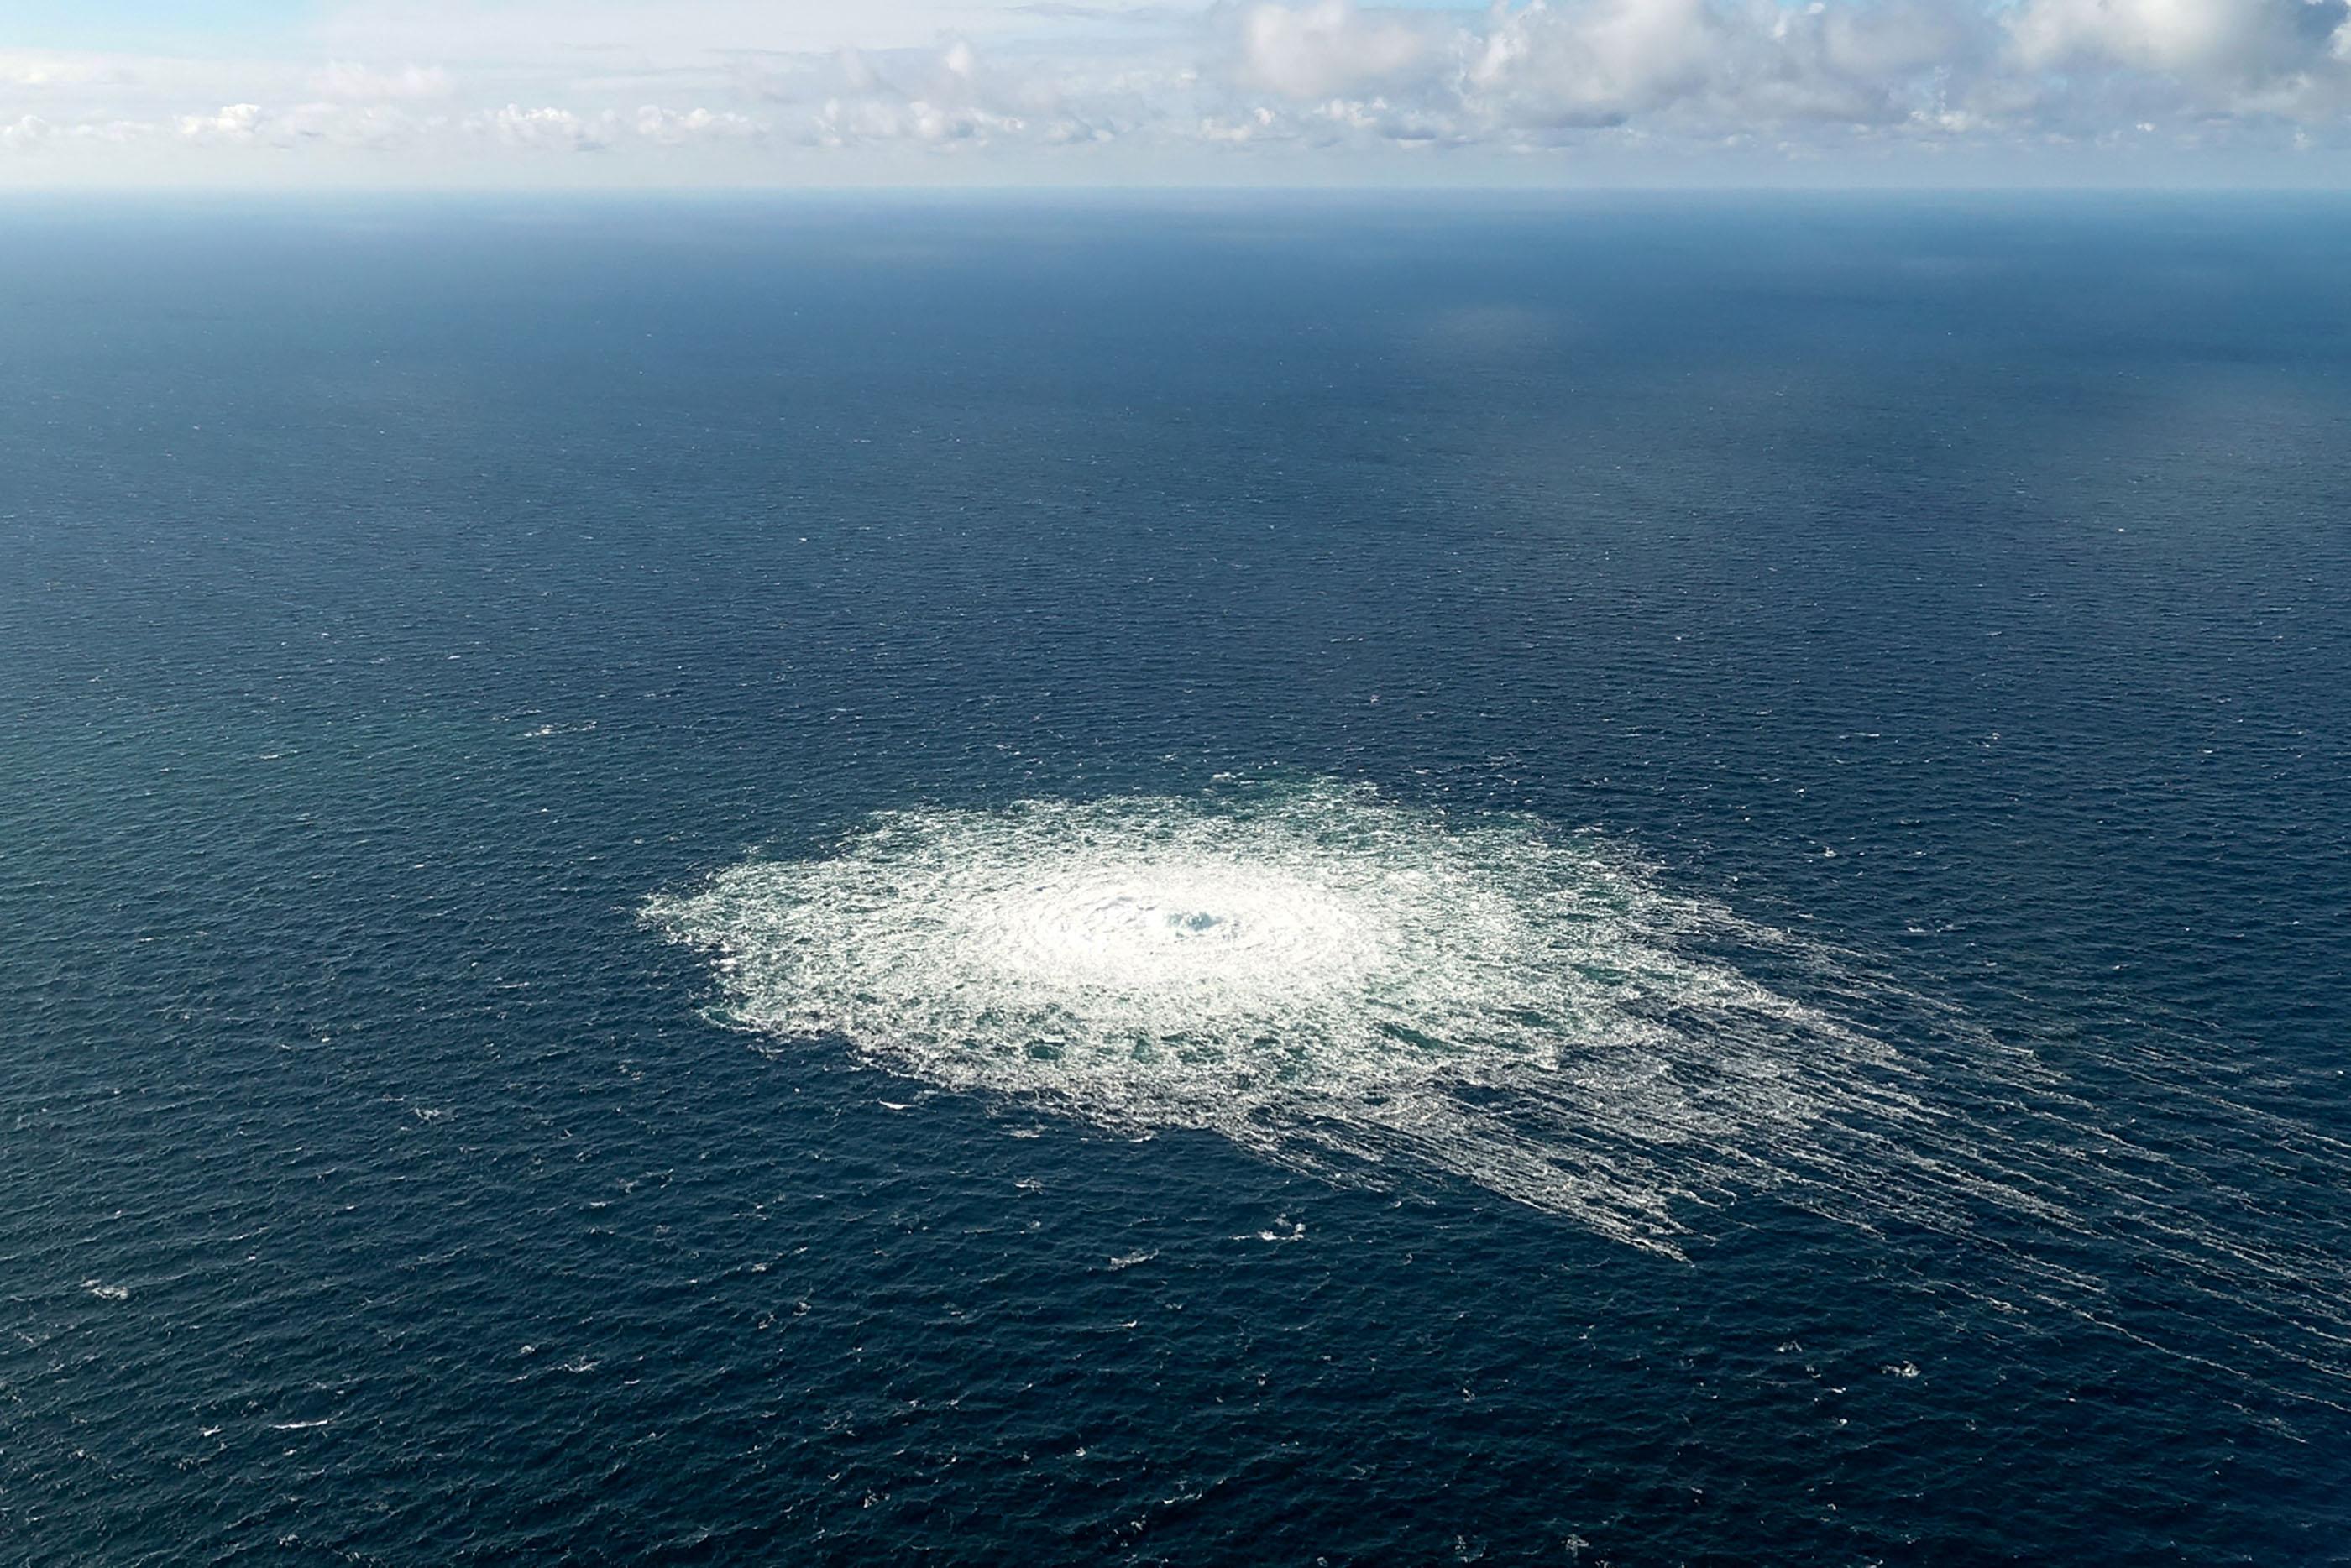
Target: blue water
{"points": [[401, 599]]}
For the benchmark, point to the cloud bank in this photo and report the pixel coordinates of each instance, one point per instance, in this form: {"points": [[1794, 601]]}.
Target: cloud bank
{"points": [[713, 92]]}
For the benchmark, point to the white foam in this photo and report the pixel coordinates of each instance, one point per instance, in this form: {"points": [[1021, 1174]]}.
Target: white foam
{"points": [[1373, 992], [1327, 978]]}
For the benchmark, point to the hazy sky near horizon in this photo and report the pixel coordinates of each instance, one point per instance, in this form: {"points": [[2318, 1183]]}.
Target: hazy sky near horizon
{"points": [[252, 93]]}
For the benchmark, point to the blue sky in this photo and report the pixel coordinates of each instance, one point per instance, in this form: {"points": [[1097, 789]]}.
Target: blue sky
{"points": [[1545, 92]]}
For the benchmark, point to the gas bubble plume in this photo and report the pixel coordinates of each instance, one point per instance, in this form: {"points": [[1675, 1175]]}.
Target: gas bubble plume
{"points": [[1329, 979], [1380, 994]]}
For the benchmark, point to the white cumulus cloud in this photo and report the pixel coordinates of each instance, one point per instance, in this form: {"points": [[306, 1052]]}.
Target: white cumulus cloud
{"points": [[233, 122], [1330, 46], [546, 128]]}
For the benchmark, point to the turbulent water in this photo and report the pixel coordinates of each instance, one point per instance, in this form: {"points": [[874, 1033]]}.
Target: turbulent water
{"points": [[1312, 973], [1361, 989], [1221, 881]]}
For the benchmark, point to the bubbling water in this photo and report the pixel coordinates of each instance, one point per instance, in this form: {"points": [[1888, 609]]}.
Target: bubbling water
{"points": [[1376, 993], [1329, 979]]}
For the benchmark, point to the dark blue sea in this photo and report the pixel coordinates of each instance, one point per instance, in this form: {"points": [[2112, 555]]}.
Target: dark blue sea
{"points": [[1222, 879]]}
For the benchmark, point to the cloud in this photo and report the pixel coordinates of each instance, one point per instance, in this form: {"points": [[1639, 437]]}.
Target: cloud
{"points": [[343, 81], [547, 129], [660, 33], [945, 98], [1548, 72], [2232, 41], [743, 89], [1330, 48], [234, 123], [1717, 68], [45, 72], [27, 131], [675, 127]]}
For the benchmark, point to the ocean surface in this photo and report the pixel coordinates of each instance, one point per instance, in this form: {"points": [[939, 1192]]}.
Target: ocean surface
{"points": [[1214, 879]]}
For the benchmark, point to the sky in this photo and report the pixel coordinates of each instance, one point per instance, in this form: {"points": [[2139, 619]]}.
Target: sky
{"points": [[99, 94]]}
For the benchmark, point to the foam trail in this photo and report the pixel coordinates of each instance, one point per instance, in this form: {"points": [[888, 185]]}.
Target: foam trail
{"points": [[1344, 984]]}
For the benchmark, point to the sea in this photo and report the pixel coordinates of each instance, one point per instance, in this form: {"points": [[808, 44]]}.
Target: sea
{"points": [[1271, 879]]}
